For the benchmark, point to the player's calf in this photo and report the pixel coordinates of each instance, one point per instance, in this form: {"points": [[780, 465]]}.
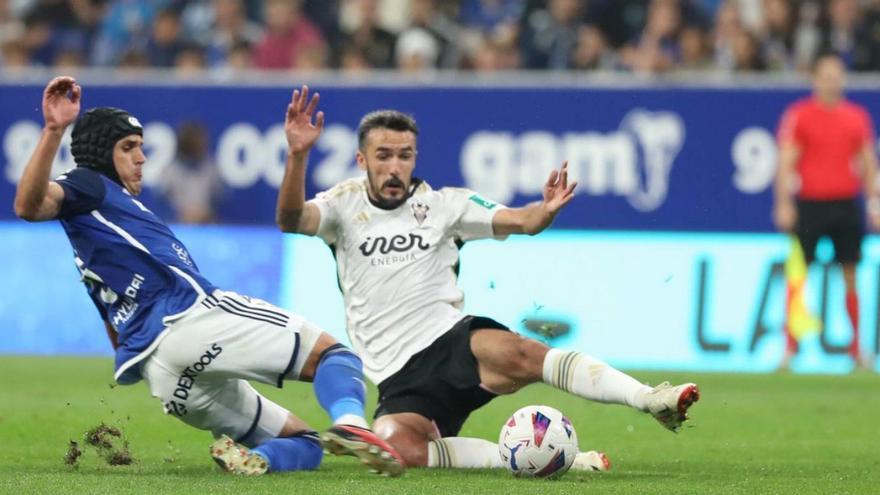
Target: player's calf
{"points": [[339, 386], [477, 453]]}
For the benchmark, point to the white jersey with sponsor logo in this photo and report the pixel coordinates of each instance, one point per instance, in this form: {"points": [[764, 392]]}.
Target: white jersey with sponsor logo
{"points": [[397, 268]]}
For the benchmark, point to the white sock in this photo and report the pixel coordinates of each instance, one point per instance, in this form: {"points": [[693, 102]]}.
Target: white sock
{"points": [[353, 420], [593, 379], [461, 452]]}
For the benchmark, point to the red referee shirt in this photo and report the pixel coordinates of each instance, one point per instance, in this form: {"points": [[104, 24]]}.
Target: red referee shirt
{"points": [[829, 140]]}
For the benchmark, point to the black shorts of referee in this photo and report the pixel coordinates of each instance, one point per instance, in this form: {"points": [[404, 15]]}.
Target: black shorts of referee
{"points": [[840, 220]]}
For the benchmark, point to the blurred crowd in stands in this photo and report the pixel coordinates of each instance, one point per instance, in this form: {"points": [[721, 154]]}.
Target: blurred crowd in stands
{"points": [[643, 36]]}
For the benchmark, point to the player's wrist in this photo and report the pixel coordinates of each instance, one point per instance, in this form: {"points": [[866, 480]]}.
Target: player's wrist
{"points": [[299, 156], [542, 210], [54, 129], [545, 217]]}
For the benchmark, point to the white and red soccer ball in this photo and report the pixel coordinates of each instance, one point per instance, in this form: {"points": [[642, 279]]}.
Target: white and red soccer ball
{"points": [[538, 441]]}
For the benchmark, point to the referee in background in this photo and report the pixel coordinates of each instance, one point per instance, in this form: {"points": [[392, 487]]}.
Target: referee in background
{"points": [[826, 160]]}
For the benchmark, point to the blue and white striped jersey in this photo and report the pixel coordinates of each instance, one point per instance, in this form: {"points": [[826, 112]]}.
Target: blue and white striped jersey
{"points": [[139, 275]]}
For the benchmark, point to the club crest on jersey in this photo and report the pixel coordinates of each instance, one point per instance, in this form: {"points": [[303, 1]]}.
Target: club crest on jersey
{"points": [[420, 211]]}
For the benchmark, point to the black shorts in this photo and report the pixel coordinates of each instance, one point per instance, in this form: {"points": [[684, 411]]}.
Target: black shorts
{"points": [[841, 220], [442, 382]]}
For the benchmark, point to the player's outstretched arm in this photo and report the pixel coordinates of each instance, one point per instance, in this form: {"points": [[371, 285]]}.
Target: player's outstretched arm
{"points": [[293, 213], [535, 217], [37, 199]]}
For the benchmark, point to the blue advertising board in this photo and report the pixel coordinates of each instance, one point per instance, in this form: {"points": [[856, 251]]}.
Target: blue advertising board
{"points": [[681, 301], [676, 301], [660, 159], [45, 308], [664, 260]]}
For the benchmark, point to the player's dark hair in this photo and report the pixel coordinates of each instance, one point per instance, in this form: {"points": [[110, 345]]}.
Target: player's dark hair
{"points": [[385, 119]]}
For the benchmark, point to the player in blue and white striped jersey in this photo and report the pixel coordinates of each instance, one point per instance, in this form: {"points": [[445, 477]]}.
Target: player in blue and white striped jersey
{"points": [[195, 345]]}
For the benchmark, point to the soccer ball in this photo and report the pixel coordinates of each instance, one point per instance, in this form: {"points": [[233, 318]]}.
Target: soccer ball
{"points": [[538, 441]]}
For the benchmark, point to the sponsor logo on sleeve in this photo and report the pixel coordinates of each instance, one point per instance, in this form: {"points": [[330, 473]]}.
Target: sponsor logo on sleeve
{"points": [[482, 202], [182, 253]]}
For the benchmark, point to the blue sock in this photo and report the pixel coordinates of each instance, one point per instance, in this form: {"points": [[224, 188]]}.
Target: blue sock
{"points": [[339, 383], [294, 453]]}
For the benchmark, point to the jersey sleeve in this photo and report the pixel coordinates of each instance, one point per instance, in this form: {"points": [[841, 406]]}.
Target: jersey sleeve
{"points": [[83, 192], [472, 214], [328, 204], [789, 129]]}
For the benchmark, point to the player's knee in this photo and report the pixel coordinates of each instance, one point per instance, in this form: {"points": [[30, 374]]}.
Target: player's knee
{"points": [[324, 346], [410, 440], [340, 355], [529, 358], [413, 450]]}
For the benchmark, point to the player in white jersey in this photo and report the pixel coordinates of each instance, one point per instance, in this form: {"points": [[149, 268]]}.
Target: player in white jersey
{"points": [[396, 244], [196, 346]]}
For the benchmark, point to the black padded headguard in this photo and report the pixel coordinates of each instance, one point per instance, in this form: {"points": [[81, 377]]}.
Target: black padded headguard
{"points": [[95, 134]]}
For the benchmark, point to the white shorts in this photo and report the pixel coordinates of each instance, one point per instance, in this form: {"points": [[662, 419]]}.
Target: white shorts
{"points": [[200, 368]]}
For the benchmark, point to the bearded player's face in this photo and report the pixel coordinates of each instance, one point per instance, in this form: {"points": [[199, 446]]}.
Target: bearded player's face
{"points": [[389, 158]]}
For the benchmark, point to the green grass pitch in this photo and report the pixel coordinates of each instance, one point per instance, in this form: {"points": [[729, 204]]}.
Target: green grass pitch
{"points": [[750, 434]]}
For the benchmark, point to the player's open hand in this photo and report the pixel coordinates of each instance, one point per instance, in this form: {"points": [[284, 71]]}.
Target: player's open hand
{"points": [[301, 132], [61, 102], [557, 191]]}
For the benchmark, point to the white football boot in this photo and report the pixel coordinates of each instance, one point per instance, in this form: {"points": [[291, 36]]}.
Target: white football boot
{"points": [[669, 405], [237, 459]]}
